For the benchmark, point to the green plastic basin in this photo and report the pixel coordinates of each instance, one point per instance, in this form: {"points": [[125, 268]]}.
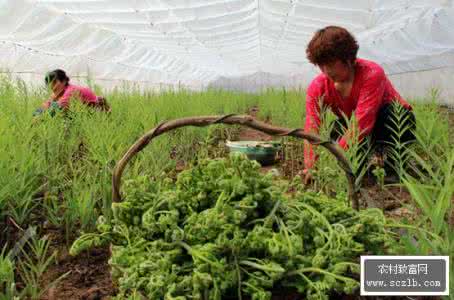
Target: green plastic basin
{"points": [[263, 152]]}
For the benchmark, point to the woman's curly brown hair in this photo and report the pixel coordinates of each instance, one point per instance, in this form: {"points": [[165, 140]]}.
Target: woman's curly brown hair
{"points": [[330, 44]]}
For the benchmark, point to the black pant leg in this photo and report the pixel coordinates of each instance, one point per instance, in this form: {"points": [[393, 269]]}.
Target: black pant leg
{"points": [[381, 134], [385, 130], [339, 127], [409, 135]]}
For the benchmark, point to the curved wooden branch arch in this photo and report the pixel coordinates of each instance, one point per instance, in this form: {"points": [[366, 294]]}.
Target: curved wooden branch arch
{"points": [[243, 120]]}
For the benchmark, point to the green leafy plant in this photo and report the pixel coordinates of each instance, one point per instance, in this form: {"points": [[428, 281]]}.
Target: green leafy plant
{"points": [[433, 232], [225, 230], [32, 264], [7, 281], [62, 167], [398, 149], [379, 173]]}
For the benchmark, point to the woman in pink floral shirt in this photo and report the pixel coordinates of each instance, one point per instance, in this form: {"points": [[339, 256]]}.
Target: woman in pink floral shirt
{"points": [[63, 92]]}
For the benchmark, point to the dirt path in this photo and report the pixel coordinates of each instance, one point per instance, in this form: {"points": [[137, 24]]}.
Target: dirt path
{"points": [[248, 134]]}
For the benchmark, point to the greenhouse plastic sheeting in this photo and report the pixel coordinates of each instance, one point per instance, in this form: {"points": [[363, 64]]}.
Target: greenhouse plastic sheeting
{"points": [[243, 43]]}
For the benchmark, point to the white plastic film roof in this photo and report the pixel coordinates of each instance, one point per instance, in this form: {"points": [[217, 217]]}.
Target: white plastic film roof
{"points": [[194, 42]]}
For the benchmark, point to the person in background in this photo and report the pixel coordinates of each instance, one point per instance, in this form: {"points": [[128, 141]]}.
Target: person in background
{"points": [[348, 86], [63, 92]]}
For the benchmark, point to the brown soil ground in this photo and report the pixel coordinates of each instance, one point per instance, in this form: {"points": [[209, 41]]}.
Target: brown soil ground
{"points": [[248, 134], [88, 274]]}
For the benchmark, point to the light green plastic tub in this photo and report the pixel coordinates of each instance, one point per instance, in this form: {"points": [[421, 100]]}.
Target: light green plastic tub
{"points": [[263, 152]]}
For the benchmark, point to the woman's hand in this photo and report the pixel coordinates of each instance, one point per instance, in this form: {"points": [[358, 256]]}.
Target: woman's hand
{"points": [[38, 112], [307, 176]]}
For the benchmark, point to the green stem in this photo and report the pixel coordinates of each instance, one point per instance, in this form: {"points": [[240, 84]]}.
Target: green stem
{"points": [[311, 284], [164, 212], [195, 253], [269, 219], [238, 272], [287, 237], [252, 275], [347, 264], [324, 220], [252, 287], [415, 228], [320, 271], [219, 202], [260, 267]]}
